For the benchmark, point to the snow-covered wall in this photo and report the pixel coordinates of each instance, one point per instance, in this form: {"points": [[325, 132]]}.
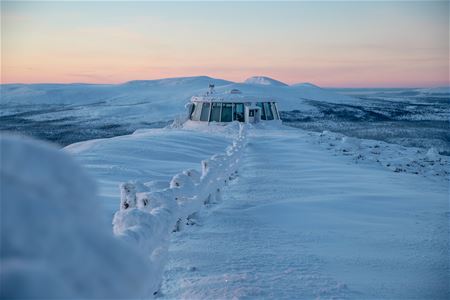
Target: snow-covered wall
{"points": [[147, 217], [54, 243]]}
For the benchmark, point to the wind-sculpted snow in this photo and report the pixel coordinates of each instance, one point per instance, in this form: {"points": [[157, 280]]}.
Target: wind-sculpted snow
{"points": [[428, 163], [54, 241], [303, 222], [147, 216]]}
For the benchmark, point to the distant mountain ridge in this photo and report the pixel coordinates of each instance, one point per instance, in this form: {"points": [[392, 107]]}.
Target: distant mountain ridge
{"points": [[205, 80], [304, 84], [263, 80], [161, 99]]}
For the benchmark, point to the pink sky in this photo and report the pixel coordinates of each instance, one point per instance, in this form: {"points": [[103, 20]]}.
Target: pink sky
{"points": [[330, 44]]}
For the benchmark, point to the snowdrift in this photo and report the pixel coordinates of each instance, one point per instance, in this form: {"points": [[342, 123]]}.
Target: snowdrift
{"points": [[54, 242], [147, 216]]}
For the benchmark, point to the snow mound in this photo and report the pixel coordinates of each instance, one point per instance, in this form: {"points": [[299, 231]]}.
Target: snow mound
{"points": [[54, 245], [262, 80], [147, 217]]}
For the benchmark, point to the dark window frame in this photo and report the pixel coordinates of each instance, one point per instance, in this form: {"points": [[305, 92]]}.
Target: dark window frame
{"points": [[202, 115], [215, 104], [226, 106], [269, 112], [263, 112], [241, 114]]}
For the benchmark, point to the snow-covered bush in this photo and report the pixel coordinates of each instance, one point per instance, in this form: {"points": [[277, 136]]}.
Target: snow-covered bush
{"points": [[54, 243]]}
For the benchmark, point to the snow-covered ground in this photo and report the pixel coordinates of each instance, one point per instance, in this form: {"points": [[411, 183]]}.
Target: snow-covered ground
{"points": [[302, 220], [151, 156], [311, 214], [302, 223]]}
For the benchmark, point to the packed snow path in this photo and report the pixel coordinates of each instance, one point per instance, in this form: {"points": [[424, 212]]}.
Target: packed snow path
{"points": [[302, 223]]}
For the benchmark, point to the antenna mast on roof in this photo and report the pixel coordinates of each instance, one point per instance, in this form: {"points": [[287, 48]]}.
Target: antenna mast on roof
{"points": [[211, 89]]}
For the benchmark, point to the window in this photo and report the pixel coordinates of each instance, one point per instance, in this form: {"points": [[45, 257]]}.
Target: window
{"points": [[205, 112], [215, 112], [263, 113], [227, 110], [269, 114], [195, 116], [275, 111], [239, 112]]}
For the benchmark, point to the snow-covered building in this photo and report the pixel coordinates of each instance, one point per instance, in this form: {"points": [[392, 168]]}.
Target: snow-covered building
{"points": [[232, 105]]}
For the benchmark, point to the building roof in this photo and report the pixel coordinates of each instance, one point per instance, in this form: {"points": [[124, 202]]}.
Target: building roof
{"points": [[231, 96]]}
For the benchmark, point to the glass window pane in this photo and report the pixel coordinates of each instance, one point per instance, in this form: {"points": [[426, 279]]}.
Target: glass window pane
{"points": [[195, 116], [275, 112], [215, 112], [205, 112], [226, 112], [269, 114], [239, 114], [263, 113]]}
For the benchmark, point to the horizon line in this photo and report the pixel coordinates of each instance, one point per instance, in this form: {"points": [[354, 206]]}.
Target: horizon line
{"points": [[350, 86]]}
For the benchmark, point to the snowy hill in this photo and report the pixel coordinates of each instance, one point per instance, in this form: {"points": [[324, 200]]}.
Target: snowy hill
{"points": [[199, 82], [308, 84], [163, 92], [262, 80]]}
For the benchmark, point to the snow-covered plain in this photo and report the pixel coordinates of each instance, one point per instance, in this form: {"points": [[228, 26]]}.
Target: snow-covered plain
{"points": [[300, 221]]}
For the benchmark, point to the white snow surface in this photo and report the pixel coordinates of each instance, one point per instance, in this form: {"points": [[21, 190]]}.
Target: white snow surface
{"points": [[54, 242], [301, 223], [302, 220], [147, 215]]}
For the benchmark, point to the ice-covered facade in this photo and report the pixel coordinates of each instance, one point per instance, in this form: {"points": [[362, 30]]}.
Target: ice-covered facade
{"points": [[232, 105]]}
